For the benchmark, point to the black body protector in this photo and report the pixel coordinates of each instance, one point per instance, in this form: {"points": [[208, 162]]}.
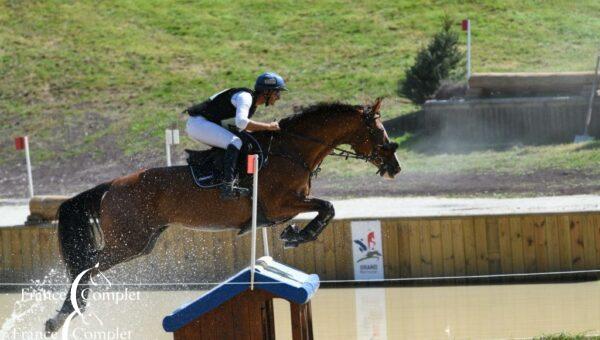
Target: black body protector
{"points": [[218, 107]]}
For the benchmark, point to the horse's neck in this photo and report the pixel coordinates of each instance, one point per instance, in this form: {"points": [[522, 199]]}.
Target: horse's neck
{"points": [[330, 135]]}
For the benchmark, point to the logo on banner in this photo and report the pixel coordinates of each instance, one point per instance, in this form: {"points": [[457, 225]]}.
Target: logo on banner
{"points": [[368, 250]]}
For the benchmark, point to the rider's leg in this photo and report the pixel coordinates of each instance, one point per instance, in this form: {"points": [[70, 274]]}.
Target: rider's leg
{"points": [[228, 188], [201, 130], [212, 134]]}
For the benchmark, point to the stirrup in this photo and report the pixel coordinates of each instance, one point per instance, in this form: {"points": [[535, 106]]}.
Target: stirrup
{"points": [[229, 191]]}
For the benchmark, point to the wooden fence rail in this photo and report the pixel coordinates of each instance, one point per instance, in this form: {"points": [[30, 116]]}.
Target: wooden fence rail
{"points": [[412, 247]]}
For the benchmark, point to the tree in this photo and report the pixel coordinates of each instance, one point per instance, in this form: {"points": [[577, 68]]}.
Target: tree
{"points": [[432, 64]]}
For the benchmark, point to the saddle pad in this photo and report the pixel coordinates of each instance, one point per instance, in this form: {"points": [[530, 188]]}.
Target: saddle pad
{"points": [[206, 167], [202, 167], [203, 178]]}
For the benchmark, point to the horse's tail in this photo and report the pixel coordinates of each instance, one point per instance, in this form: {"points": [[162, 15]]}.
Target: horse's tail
{"points": [[77, 218]]}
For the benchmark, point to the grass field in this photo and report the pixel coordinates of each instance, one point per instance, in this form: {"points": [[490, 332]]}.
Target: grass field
{"points": [[78, 76], [564, 336]]}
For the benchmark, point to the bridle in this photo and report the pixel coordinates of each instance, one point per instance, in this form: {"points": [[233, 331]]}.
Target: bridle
{"points": [[369, 120]]}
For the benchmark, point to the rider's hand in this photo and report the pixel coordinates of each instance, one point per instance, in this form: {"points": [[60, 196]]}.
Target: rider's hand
{"points": [[274, 126]]}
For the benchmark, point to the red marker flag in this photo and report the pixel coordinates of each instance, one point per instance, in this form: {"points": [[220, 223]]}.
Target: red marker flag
{"points": [[465, 25], [20, 143], [250, 164]]}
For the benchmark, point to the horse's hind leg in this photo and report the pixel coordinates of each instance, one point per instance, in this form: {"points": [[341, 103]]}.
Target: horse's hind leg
{"points": [[81, 288], [81, 284]]}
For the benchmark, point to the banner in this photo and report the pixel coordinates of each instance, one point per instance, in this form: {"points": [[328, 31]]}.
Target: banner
{"points": [[367, 251]]}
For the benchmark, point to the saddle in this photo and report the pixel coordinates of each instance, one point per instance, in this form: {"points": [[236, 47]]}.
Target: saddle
{"points": [[206, 166]]}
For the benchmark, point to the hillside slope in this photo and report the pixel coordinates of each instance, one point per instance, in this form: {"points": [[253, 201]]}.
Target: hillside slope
{"points": [[94, 82]]}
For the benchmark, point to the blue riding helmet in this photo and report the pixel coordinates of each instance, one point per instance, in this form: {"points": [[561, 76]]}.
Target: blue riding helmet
{"points": [[269, 81]]}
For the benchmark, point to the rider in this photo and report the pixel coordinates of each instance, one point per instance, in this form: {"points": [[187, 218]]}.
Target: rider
{"points": [[237, 104]]}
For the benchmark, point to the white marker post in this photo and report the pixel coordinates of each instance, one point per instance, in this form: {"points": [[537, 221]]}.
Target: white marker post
{"points": [[20, 144], [253, 169], [171, 138], [466, 26], [265, 241]]}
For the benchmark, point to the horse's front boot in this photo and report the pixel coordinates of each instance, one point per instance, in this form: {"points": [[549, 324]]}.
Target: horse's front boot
{"points": [[293, 236]]}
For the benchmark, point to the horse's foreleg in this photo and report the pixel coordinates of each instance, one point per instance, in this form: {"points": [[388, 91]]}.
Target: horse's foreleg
{"points": [[293, 236]]}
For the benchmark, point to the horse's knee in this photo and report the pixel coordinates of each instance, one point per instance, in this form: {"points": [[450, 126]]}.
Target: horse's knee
{"points": [[327, 210]]}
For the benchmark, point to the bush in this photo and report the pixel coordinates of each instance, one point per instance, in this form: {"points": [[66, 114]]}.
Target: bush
{"points": [[434, 63]]}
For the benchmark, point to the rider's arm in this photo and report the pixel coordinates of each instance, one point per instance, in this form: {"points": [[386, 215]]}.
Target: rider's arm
{"points": [[258, 126], [242, 102]]}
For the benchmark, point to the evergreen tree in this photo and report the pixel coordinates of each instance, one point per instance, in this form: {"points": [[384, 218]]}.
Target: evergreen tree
{"points": [[433, 64]]}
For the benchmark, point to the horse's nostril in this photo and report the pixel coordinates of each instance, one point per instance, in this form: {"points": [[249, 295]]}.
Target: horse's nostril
{"points": [[390, 146]]}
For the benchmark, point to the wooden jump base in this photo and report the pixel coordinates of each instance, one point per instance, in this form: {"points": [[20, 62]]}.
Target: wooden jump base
{"points": [[233, 310], [412, 247]]}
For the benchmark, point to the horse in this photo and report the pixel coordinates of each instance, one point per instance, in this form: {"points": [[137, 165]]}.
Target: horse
{"points": [[121, 219]]}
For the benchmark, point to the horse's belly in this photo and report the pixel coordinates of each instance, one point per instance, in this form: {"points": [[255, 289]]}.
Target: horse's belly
{"points": [[213, 228]]}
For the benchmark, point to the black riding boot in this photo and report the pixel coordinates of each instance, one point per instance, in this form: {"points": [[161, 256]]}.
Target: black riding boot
{"points": [[228, 188]]}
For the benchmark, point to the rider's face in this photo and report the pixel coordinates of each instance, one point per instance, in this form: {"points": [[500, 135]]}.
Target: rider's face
{"points": [[275, 96]]}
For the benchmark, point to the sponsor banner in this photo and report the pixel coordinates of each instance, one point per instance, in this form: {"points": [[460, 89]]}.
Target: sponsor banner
{"points": [[367, 251], [371, 323]]}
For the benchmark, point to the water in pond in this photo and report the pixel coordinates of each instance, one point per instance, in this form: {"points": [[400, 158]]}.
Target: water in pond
{"points": [[450, 312]]}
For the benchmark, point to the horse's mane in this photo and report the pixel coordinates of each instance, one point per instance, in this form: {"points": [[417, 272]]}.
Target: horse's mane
{"points": [[319, 110]]}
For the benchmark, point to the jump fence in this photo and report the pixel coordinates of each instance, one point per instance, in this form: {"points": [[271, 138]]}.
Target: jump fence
{"points": [[509, 108], [532, 120], [412, 247]]}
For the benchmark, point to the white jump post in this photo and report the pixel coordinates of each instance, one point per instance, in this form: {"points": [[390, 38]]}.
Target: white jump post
{"points": [[253, 169], [265, 242], [466, 26], [171, 138], [20, 144]]}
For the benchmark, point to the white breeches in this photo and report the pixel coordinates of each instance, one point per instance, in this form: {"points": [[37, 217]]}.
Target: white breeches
{"points": [[210, 133]]}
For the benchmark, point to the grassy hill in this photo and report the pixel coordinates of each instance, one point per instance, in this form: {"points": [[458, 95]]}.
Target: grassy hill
{"points": [[105, 78]]}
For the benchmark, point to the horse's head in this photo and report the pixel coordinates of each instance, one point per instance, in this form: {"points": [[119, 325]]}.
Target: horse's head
{"points": [[371, 141]]}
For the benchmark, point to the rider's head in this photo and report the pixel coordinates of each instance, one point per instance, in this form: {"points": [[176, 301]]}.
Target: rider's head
{"points": [[269, 86]]}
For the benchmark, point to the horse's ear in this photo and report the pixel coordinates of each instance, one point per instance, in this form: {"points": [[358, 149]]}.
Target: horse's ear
{"points": [[377, 105]]}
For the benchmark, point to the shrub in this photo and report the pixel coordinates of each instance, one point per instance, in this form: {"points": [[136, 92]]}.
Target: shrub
{"points": [[433, 63]]}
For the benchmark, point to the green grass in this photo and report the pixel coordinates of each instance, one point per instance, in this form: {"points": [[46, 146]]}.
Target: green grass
{"points": [[122, 70], [566, 336]]}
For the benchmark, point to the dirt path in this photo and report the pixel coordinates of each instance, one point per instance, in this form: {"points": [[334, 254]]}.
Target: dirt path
{"points": [[541, 183], [84, 173]]}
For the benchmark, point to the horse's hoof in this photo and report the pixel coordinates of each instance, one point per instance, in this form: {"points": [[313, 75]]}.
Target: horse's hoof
{"points": [[290, 233], [51, 327], [290, 244]]}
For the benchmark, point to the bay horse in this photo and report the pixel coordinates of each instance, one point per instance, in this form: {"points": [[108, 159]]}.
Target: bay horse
{"points": [[129, 213]]}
